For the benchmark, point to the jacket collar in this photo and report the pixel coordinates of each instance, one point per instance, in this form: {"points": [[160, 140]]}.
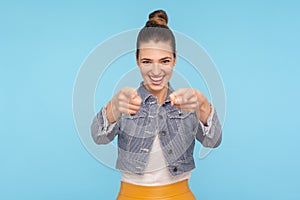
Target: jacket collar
{"points": [[145, 94]]}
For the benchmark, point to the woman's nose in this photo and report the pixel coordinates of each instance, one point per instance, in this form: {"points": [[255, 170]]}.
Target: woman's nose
{"points": [[156, 69]]}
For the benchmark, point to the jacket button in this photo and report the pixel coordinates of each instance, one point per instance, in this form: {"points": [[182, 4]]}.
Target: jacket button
{"points": [[170, 151], [163, 133], [175, 169]]}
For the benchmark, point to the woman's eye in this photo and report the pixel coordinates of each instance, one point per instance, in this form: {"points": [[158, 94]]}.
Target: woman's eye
{"points": [[165, 61]]}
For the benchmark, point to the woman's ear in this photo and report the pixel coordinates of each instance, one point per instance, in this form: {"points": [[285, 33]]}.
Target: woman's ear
{"points": [[175, 58], [136, 58]]}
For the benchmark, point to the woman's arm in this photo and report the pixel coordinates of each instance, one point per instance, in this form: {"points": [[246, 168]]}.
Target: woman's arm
{"points": [[105, 124], [212, 131], [209, 134], [102, 130], [209, 130]]}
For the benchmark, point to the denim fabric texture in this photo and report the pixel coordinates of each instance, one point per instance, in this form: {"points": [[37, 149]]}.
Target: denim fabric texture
{"points": [[177, 131]]}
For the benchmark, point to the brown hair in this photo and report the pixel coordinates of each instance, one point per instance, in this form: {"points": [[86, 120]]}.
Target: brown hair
{"points": [[156, 29]]}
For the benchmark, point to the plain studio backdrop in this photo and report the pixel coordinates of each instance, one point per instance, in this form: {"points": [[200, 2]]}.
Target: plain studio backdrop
{"points": [[254, 44]]}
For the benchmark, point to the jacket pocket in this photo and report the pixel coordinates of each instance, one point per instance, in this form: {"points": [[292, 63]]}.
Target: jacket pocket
{"points": [[132, 124], [132, 130], [181, 121]]}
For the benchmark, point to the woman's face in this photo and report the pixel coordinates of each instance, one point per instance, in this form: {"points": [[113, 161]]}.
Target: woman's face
{"points": [[156, 61]]}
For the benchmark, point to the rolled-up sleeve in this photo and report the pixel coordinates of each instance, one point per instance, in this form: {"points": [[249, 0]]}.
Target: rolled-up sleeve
{"points": [[210, 135], [102, 131]]}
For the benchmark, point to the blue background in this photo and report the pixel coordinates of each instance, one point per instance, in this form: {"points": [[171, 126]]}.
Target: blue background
{"points": [[254, 44]]}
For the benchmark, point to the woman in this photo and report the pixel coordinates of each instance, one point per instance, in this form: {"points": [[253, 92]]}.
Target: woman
{"points": [[156, 126]]}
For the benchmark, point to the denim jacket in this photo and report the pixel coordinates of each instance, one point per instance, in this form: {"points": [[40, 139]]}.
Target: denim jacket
{"points": [[177, 131]]}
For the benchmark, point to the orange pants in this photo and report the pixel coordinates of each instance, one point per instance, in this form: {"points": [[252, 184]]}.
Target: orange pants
{"points": [[174, 191]]}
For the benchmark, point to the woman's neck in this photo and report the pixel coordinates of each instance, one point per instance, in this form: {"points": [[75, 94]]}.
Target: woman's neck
{"points": [[161, 95]]}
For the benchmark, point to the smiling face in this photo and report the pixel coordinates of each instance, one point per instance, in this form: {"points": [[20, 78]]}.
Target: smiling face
{"points": [[156, 61]]}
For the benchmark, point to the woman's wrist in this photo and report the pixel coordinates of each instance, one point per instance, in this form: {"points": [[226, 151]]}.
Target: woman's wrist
{"points": [[112, 112], [204, 108]]}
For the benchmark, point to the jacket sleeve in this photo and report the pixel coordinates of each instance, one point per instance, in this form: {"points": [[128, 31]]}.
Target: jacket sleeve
{"points": [[102, 131], [210, 135]]}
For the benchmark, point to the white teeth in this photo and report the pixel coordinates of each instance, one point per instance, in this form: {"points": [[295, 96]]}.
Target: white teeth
{"points": [[156, 78]]}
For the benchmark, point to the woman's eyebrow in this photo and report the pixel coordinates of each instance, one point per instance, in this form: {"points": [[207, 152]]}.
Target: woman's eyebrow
{"points": [[147, 59], [165, 58]]}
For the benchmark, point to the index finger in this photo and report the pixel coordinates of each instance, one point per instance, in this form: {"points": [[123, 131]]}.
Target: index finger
{"points": [[172, 96], [175, 95]]}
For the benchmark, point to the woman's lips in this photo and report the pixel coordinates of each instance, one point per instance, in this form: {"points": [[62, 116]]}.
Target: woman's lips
{"points": [[156, 80]]}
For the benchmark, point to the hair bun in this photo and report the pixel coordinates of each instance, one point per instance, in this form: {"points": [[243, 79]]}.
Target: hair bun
{"points": [[158, 18]]}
